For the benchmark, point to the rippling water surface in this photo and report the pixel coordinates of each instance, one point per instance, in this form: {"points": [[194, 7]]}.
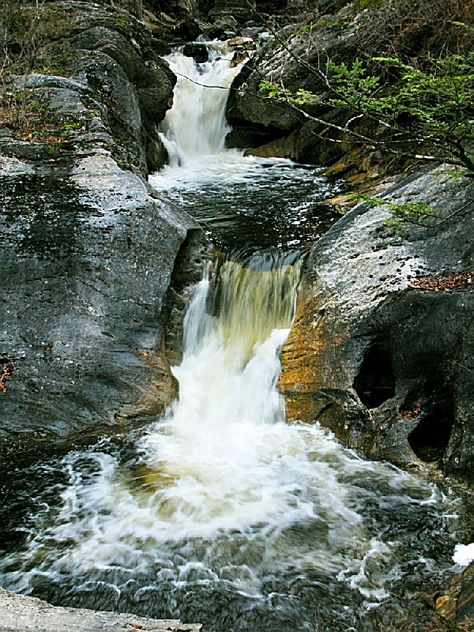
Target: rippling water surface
{"points": [[222, 513]]}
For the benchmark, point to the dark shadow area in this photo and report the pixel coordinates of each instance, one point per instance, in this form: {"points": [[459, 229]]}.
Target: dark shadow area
{"points": [[430, 438], [375, 382]]}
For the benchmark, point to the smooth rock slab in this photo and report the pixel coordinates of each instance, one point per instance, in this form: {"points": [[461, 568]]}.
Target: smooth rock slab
{"points": [[28, 614]]}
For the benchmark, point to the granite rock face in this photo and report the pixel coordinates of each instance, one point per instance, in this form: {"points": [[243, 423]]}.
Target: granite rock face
{"points": [[288, 57], [89, 254], [381, 348], [87, 261], [100, 72]]}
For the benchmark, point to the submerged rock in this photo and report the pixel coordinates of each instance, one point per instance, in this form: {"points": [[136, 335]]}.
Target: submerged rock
{"points": [[375, 354]]}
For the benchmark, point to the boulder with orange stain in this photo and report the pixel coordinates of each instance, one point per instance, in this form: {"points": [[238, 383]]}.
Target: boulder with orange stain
{"points": [[369, 343]]}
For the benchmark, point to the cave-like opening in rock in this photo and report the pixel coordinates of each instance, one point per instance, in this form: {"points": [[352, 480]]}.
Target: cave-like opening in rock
{"points": [[375, 382], [430, 438]]}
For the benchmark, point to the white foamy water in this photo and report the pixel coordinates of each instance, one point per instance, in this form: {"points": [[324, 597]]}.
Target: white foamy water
{"points": [[221, 503], [222, 468], [196, 127], [463, 554]]}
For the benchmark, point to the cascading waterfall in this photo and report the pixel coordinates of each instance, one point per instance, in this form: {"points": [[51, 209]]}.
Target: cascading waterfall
{"points": [[221, 496], [196, 127], [221, 512]]}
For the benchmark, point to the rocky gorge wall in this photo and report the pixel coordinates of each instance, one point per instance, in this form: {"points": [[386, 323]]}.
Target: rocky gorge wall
{"points": [[92, 251], [88, 252], [380, 350]]}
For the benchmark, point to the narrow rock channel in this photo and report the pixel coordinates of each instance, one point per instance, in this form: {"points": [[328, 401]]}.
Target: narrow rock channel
{"points": [[219, 511]]}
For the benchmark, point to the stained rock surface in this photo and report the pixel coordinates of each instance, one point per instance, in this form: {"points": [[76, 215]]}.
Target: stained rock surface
{"points": [[384, 360]]}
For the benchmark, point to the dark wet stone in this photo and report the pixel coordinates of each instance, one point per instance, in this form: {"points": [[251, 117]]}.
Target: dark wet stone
{"points": [[197, 51], [87, 258]]}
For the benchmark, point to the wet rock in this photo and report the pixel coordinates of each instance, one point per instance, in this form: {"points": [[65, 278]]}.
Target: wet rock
{"points": [[381, 362], [231, 11], [111, 64], [249, 112], [135, 109], [183, 9], [241, 42], [188, 270], [88, 256], [88, 251], [455, 606], [290, 58], [28, 614], [186, 30], [198, 51]]}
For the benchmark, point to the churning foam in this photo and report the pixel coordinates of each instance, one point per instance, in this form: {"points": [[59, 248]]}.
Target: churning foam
{"points": [[221, 486]]}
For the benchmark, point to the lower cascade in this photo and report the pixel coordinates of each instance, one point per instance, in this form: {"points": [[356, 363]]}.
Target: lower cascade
{"points": [[219, 511]]}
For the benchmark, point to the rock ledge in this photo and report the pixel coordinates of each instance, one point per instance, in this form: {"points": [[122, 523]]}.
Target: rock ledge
{"points": [[19, 613]]}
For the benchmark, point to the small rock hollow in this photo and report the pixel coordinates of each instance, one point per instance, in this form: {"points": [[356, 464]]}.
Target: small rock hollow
{"points": [[375, 382], [430, 438]]}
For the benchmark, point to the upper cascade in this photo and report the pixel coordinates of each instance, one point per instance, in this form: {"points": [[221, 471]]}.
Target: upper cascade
{"points": [[196, 127]]}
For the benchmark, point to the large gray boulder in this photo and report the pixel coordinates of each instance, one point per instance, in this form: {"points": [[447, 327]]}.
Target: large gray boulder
{"points": [[87, 259], [382, 345], [92, 262], [115, 59]]}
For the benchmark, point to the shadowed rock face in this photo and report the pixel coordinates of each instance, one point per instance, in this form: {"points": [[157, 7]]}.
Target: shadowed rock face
{"points": [[88, 253], [386, 366], [269, 127], [99, 71]]}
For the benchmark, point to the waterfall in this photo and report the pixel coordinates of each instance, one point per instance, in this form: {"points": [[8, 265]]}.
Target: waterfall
{"points": [[220, 493], [196, 127], [219, 511]]}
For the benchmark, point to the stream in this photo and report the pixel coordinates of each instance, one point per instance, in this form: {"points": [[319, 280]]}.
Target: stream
{"points": [[220, 512]]}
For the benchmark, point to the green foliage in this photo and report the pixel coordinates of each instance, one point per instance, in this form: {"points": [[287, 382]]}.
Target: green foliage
{"points": [[457, 174], [122, 23], [438, 99], [360, 5], [355, 87], [419, 213], [301, 97], [26, 31], [428, 108], [271, 90]]}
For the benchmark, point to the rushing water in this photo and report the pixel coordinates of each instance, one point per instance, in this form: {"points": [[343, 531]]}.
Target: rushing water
{"points": [[220, 512], [243, 202], [223, 513]]}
